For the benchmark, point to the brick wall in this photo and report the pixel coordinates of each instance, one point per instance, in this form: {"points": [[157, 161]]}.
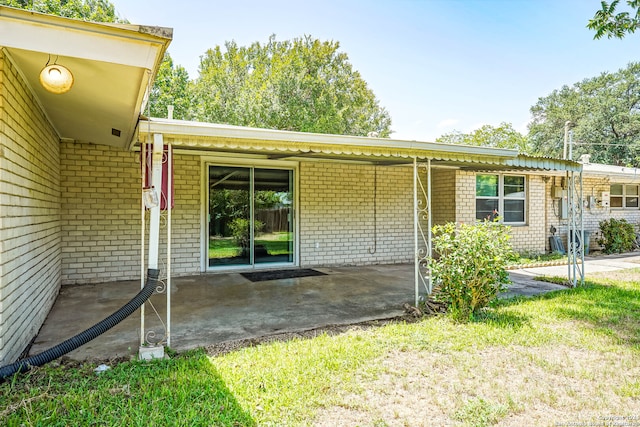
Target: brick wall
{"points": [[29, 214], [101, 214], [465, 196], [443, 196], [337, 214], [529, 237]]}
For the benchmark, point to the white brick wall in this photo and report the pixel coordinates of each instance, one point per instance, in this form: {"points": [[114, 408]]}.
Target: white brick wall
{"points": [[529, 237], [101, 214], [465, 197], [29, 214], [337, 214], [443, 196]]}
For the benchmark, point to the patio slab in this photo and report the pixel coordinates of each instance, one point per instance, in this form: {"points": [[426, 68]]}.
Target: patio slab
{"points": [[214, 308]]}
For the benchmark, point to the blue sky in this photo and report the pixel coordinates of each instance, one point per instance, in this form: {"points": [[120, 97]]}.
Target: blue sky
{"points": [[435, 65]]}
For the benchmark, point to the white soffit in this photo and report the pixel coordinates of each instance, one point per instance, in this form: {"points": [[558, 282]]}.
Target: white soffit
{"points": [[111, 64]]}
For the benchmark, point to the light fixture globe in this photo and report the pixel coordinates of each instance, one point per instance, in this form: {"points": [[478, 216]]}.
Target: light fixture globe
{"points": [[56, 79]]}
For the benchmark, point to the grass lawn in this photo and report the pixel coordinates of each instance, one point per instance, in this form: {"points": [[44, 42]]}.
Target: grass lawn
{"points": [[275, 244], [538, 258], [566, 358]]}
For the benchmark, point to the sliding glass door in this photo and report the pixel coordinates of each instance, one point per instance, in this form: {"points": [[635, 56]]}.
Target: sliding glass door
{"points": [[250, 216]]}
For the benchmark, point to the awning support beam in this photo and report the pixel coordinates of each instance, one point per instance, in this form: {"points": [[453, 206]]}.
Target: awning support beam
{"points": [[422, 237]]}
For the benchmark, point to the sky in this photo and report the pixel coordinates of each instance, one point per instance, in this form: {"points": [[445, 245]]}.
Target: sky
{"points": [[437, 66]]}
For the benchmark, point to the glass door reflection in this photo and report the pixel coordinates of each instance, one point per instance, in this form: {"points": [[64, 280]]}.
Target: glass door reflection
{"points": [[229, 216], [273, 219], [250, 216]]}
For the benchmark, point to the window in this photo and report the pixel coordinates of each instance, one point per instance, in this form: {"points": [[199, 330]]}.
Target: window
{"points": [[624, 196], [504, 195]]}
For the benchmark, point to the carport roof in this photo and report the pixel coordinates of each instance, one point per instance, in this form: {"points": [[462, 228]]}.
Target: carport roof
{"points": [[278, 144]]}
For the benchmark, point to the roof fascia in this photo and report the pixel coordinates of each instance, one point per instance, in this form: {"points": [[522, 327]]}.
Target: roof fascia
{"points": [[619, 173], [75, 38], [209, 130]]}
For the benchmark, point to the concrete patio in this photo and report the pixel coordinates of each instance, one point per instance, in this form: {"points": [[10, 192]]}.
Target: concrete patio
{"points": [[213, 308]]}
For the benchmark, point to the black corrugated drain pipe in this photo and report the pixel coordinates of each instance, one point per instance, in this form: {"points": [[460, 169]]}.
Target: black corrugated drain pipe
{"points": [[84, 337]]}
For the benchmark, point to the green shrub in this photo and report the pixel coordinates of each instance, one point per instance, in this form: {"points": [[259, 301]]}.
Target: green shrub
{"points": [[470, 269], [239, 228], [617, 236]]}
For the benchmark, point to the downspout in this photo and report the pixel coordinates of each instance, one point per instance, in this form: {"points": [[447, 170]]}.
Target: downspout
{"points": [[118, 316], [87, 335]]}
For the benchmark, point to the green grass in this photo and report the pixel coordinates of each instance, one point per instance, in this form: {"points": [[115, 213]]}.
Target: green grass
{"points": [[537, 258], [223, 248], [274, 243], [567, 356]]}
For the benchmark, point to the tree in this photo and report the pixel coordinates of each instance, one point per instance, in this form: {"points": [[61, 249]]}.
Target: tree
{"points": [[87, 10], [171, 87], [503, 136], [605, 115], [302, 84], [606, 21]]}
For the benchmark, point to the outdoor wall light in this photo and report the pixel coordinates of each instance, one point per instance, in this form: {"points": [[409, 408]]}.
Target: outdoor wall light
{"points": [[56, 78]]}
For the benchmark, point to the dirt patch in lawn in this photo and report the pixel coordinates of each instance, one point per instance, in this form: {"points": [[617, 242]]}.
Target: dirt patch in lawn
{"points": [[497, 386], [627, 275]]}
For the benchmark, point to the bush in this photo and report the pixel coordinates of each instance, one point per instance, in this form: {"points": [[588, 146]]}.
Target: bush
{"points": [[617, 236], [470, 269], [240, 230]]}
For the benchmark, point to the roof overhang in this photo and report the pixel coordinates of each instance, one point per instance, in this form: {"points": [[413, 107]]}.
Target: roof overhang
{"points": [[113, 66], [277, 144], [621, 174]]}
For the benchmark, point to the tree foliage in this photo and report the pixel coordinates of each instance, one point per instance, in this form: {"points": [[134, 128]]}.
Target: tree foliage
{"points": [[301, 84], [86, 10], [503, 136], [171, 87], [605, 115], [607, 22]]}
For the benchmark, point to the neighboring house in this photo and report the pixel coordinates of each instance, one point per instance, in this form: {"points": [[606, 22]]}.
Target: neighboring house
{"points": [[71, 179]]}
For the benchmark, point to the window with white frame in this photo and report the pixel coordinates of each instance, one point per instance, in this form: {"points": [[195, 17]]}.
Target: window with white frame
{"points": [[624, 196], [503, 195]]}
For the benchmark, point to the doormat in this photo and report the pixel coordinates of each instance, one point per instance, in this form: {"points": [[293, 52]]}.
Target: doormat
{"points": [[262, 276]]}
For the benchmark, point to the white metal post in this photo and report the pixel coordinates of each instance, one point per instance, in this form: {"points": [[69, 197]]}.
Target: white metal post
{"points": [[582, 231], [429, 223], [143, 270], [169, 206], [415, 232]]}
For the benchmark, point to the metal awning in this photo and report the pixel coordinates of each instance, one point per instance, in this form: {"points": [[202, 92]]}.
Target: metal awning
{"points": [[277, 144]]}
